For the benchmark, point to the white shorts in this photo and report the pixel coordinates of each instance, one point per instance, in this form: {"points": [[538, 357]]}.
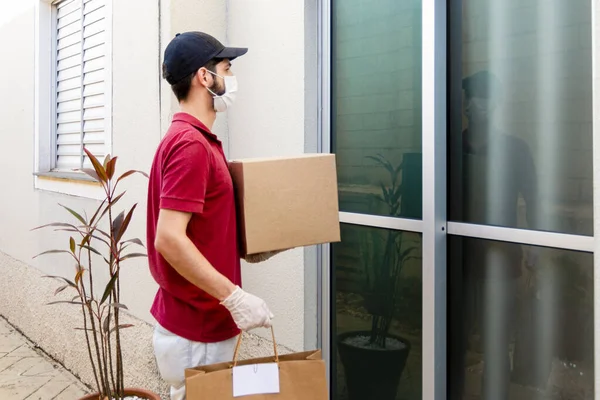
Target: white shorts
{"points": [[175, 354]]}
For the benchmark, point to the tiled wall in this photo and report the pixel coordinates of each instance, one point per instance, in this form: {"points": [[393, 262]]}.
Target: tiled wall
{"points": [[541, 52], [377, 100]]}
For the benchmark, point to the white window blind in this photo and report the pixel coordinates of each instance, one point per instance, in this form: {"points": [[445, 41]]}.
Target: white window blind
{"points": [[80, 51]]}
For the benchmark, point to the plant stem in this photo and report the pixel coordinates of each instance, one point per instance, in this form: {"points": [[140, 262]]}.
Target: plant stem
{"points": [[115, 260], [110, 362], [87, 340], [111, 297], [104, 355], [119, 355], [97, 346], [118, 335]]}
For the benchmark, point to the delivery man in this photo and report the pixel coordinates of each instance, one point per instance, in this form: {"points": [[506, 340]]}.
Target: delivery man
{"points": [[191, 219]]}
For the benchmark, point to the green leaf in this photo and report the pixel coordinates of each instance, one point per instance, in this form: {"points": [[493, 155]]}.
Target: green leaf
{"points": [[380, 159], [70, 230], [100, 239], [56, 224], [109, 287], [397, 193], [92, 173], [93, 250], [93, 236], [131, 172], [399, 168], [387, 165], [133, 255], [407, 252], [136, 241], [83, 329], [85, 240], [65, 302], [122, 326], [75, 214], [97, 212], [100, 171], [106, 324], [60, 289], [79, 275], [110, 167], [118, 222], [60, 278], [376, 159], [105, 234], [106, 160], [52, 252], [112, 204], [72, 244], [126, 222], [118, 305], [386, 195]]}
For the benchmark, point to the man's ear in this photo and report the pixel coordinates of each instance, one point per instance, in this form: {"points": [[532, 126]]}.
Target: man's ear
{"points": [[203, 77]]}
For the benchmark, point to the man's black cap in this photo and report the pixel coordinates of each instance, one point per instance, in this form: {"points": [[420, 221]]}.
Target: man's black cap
{"points": [[482, 84], [190, 51]]}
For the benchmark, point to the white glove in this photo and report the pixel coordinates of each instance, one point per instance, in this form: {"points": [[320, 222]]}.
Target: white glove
{"points": [[247, 310], [261, 257]]}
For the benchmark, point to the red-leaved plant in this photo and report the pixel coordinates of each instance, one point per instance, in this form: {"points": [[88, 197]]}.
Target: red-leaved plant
{"points": [[100, 314]]}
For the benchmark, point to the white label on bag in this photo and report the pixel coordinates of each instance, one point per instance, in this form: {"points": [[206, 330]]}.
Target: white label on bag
{"points": [[255, 379]]}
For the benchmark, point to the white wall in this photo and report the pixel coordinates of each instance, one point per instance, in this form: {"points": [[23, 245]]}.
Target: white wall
{"points": [[187, 15], [135, 131], [268, 119]]}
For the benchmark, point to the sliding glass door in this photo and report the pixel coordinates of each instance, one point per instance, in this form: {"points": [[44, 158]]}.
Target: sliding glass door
{"points": [[520, 200], [376, 276], [463, 131]]}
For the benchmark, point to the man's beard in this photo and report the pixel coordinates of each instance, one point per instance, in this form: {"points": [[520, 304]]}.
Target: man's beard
{"points": [[217, 88]]}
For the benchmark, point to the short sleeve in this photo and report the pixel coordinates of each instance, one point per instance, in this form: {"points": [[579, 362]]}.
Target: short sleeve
{"points": [[185, 178]]}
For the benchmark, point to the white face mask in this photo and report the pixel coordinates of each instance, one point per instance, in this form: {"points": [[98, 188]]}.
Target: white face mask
{"points": [[224, 101], [479, 108]]}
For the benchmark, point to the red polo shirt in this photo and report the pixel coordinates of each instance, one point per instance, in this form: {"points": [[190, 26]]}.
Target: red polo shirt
{"points": [[190, 174]]}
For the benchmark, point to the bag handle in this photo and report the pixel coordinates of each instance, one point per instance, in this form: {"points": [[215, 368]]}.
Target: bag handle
{"points": [[239, 341]]}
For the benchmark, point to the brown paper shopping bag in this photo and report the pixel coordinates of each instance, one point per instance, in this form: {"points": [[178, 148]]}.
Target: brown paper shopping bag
{"points": [[302, 376]]}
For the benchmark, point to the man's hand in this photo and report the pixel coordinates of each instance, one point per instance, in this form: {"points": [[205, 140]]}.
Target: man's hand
{"points": [[261, 257], [532, 256], [248, 311]]}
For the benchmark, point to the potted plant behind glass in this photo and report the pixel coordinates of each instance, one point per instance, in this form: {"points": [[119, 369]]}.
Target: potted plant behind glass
{"points": [[374, 360], [100, 310]]}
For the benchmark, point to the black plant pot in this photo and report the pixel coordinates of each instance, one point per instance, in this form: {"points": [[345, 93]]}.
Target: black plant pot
{"points": [[372, 374]]}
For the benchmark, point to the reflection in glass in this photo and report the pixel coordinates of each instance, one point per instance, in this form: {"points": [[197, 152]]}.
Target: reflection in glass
{"points": [[520, 322], [522, 155], [376, 107], [376, 333]]}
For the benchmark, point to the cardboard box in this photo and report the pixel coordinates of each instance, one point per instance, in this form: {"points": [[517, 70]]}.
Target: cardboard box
{"points": [[285, 203]]}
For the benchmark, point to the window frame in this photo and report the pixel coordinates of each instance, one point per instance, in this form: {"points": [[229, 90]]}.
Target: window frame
{"points": [[46, 178]]}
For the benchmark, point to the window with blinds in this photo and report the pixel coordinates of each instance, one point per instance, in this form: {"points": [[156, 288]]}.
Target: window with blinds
{"points": [[81, 63]]}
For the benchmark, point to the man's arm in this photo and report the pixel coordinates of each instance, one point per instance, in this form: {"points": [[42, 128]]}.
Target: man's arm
{"points": [[530, 191], [528, 185], [174, 245], [248, 311]]}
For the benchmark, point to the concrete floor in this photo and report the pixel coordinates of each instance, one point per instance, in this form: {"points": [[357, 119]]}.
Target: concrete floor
{"points": [[27, 374]]}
